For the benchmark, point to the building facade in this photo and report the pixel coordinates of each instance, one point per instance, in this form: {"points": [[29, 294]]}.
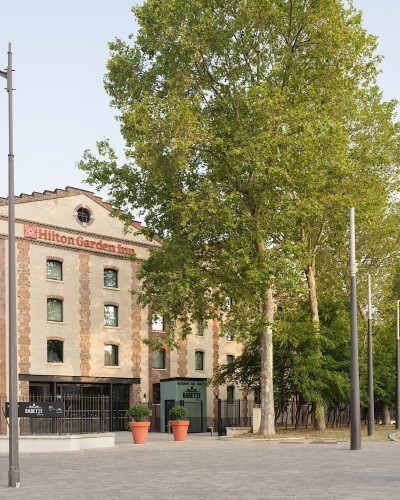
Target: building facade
{"points": [[80, 329]]}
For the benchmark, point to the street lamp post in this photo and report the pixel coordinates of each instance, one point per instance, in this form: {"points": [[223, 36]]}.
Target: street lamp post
{"points": [[371, 413], [355, 418], [398, 368], [13, 472]]}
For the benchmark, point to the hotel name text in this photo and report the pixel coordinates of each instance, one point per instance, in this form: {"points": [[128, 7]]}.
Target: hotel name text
{"points": [[34, 232]]}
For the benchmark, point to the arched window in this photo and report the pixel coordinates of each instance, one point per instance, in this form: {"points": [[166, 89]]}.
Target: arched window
{"points": [[111, 278], [54, 310], [110, 355], [55, 351], [54, 270], [199, 360], [159, 359], [110, 315]]}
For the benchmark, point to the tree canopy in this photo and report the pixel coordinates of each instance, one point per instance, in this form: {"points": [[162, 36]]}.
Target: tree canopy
{"points": [[251, 127]]}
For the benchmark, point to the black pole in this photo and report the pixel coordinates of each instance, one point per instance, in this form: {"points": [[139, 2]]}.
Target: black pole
{"points": [[398, 370], [355, 418], [219, 417], [13, 472], [371, 413]]}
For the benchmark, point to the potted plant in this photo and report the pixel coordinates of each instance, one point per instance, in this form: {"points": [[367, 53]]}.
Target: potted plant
{"points": [[139, 424], [179, 422]]}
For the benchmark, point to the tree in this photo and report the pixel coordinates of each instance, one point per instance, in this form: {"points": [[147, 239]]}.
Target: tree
{"points": [[242, 119]]}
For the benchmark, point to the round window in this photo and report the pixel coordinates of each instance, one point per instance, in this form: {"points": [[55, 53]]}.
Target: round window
{"points": [[83, 215]]}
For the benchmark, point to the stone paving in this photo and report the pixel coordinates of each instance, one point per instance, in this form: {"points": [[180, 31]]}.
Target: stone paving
{"points": [[207, 467]]}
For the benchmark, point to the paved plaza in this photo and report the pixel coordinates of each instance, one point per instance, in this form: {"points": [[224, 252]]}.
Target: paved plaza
{"points": [[207, 467]]}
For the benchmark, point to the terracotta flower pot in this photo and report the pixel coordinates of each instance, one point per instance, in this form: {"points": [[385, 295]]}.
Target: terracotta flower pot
{"points": [[179, 429], [140, 430]]}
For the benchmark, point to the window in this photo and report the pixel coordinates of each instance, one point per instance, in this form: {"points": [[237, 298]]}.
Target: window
{"points": [[110, 315], [54, 310], [199, 360], [229, 302], [111, 278], [200, 326], [157, 323], [54, 270], [230, 358], [83, 215], [110, 355], [55, 350], [229, 336], [230, 393], [159, 359]]}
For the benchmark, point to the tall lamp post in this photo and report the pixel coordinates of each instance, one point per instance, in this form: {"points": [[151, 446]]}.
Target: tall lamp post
{"points": [[13, 472], [371, 413], [398, 368], [355, 417]]}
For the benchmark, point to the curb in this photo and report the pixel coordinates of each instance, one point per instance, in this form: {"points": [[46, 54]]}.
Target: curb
{"points": [[395, 437]]}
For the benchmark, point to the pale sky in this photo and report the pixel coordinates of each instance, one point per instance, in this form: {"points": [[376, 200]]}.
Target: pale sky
{"points": [[60, 106]]}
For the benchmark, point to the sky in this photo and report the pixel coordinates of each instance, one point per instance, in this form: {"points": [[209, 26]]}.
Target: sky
{"points": [[60, 52]]}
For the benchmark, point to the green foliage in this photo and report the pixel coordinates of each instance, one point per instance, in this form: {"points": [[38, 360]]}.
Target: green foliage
{"points": [[251, 127], [178, 413], [138, 413]]}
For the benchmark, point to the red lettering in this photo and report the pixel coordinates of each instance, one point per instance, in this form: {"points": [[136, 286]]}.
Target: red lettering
{"points": [[42, 233]]}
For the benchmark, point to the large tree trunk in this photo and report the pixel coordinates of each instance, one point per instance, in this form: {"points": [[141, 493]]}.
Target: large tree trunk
{"points": [[385, 414], [267, 425], [319, 410]]}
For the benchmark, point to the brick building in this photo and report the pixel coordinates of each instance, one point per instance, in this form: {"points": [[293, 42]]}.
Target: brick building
{"points": [[80, 330]]}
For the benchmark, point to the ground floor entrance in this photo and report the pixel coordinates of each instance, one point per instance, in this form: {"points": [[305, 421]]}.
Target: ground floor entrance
{"points": [[92, 404]]}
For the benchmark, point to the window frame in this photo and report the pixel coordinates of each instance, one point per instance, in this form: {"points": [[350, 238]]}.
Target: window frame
{"points": [[158, 352], [200, 328], [115, 271], [230, 358], [115, 307], [155, 320], [88, 215], [61, 269], [230, 394], [59, 301], [114, 355], [196, 357], [60, 343]]}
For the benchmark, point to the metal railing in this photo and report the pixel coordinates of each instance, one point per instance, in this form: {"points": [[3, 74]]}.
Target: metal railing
{"points": [[84, 414]]}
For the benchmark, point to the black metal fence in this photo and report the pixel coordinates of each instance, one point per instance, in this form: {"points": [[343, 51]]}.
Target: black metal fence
{"points": [[234, 413], [302, 416], [84, 414]]}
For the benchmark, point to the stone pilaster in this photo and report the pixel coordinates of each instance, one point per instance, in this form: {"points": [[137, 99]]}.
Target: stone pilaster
{"points": [[136, 341], [23, 306], [84, 323]]}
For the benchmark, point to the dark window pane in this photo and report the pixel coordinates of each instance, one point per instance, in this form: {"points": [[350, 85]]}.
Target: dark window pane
{"points": [[159, 359], [83, 215], [54, 270], [111, 278], [199, 360], [230, 358], [55, 351], [111, 315], [54, 310], [111, 355], [230, 394]]}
